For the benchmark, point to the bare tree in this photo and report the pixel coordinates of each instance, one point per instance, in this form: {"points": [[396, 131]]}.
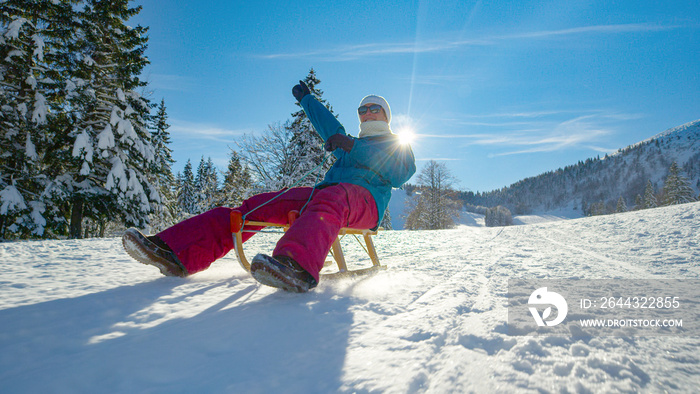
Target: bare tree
{"points": [[434, 205], [269, 155]]}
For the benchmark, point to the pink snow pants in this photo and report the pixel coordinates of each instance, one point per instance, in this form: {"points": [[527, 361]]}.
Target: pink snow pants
{"points": [[202, 239]]}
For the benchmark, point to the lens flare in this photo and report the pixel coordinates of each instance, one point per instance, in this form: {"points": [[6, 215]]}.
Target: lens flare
{"points": [[406, 135]]}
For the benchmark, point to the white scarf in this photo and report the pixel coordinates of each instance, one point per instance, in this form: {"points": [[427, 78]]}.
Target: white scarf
{"points": [[371, 128]]}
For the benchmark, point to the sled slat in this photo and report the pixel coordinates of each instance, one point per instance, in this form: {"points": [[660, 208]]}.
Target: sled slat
{"points": [[238, 228]]}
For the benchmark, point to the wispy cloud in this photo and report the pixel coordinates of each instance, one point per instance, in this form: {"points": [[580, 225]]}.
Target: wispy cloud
{"points": [[205, 131], [597, 29], [580, 132], [528, 114], [353, 52], [574, 133]]}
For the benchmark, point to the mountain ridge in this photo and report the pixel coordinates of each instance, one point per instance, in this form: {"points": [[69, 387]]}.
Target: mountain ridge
{"points": [[622, 174]]}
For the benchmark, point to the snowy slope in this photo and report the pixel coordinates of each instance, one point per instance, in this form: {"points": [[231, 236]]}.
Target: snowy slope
{"points": [[80, 316], [397, 205]]}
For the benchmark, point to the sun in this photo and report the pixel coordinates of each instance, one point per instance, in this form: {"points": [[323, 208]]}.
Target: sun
{"points": [[406, 135]]}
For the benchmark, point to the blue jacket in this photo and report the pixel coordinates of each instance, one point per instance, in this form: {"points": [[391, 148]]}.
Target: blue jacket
{"points": [[376, 163]]}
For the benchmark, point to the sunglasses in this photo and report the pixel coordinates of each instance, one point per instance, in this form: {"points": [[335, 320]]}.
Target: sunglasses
{"points": [[374, 108]]}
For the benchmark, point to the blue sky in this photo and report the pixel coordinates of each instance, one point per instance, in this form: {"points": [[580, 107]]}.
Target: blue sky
{"points": [[499, 91]]}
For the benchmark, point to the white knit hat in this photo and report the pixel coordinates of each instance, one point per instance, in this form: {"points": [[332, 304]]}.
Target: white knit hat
{"points": [[374, 99]]}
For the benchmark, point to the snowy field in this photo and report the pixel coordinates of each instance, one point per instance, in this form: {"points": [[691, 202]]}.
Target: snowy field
{"points": [[80, 316]]}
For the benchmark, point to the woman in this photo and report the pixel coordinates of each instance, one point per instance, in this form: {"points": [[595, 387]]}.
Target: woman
{"points": [[354, 193]]}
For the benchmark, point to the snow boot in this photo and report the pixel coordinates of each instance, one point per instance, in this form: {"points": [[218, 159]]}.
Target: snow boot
{"points": [[153, 251], [281, 272]]}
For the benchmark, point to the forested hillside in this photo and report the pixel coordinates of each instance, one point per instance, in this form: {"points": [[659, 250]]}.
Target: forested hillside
{"points": [[600, 185]]}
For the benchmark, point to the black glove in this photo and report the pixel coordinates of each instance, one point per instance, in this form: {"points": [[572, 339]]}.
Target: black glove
{"points": [[301, 90], [341, 141]]}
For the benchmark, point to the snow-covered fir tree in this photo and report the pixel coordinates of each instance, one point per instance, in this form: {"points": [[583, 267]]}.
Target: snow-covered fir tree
{"points": [[111, 149], [595, 209], [649, 200], [237, 182], [306, 143], [677, 188], [207, 186], [621, 205], [186, 191], [161, 176], [386, 221], [638, 202], [34, 40]]}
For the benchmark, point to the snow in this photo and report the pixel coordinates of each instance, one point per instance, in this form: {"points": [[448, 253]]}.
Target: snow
{"points": [[117, 176], [22, 109], [31, 81], [39, 47], [136, 190], [126, 129], [88, 60], [70, 89], [38, 209], [83, 145], [81, 316], [30, 149], [13, 53], [397, 206], [85, 169], [570, 211], [40, 110], [114, 116], [470, 219], [14, 27], [10, 200], [120, 95], [105, 140]]}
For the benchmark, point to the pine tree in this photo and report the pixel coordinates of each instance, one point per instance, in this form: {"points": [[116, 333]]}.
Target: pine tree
{"points": [[34, 36], [207, 186], [186, 191], [306, 143], [237, 182], [649, 196], [677, 188], [599, 208], [111, 149], [621, 205], [386, 221], [638, 202], [161, 175]]}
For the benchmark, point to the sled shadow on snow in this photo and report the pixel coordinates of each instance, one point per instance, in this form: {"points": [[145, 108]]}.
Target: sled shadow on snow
{"points": [[227, 336]]}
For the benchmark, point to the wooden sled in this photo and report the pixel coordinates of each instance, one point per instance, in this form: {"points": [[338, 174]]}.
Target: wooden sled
{"points": [[237, 229]]}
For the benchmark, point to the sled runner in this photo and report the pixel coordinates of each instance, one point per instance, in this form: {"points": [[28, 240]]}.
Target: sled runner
{"points": [[237, 229]]}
